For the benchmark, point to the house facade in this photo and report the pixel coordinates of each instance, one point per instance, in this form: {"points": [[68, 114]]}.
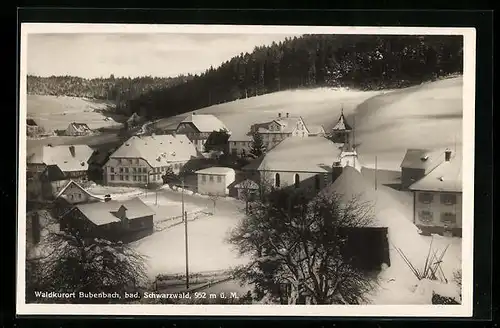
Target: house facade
{"points": [[72, 160], [273, 132], [143, 160], [198, 127], [112, 220], [215, 180], [78, 129], [437, 197]]}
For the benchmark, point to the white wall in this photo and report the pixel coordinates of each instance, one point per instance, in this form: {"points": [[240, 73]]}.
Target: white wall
{"points": [[215, 183], [306, 179], [436, 208], [135, 171]]}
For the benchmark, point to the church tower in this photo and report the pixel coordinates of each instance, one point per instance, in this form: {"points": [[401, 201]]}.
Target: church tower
{"points": [[341, 132]]}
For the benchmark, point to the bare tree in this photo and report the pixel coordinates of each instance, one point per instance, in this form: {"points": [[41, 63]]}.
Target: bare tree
{"points": [[297, 242], [214, 198], [72, 263]]}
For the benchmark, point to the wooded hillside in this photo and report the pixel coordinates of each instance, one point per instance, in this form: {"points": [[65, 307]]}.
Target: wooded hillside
{"points": [[366, 62]]}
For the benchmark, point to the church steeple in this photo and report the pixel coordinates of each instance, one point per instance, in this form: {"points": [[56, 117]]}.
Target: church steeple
{"points": [[341, 132]]}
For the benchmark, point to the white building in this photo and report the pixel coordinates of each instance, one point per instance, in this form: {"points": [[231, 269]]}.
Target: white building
{"points": [[308, 163], [273, 132], [215, 180], [143, 160], [198, 127]]}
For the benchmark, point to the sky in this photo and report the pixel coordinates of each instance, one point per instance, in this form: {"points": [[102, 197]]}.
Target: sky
{"points": [[164, 55]]}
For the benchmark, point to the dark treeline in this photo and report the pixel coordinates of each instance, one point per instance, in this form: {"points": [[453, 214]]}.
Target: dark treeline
{"points": [[119, 90], [365, 62], [356, 61]]}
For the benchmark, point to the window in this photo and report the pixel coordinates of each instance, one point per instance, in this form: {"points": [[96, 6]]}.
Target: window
{"points": [[71, 197], [112, 178], [134, 170], [203, 178], [448, 218], [425, 197], [131, 161], [277, 181], [112, 169], [297, 181], [425, 216], [137, 161], [121, 169], [127, 177], [79, 196], [448, 199], [121, 177], [317, 182], [144, 170], [219, 179], [211, 178], [126, 170], [135, 178]]}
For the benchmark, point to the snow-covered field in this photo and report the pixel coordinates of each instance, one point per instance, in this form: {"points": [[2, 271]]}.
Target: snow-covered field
{"points": [[55, 113]]}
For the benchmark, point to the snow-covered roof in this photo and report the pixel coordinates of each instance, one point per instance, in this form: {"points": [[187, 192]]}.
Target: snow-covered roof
{"points": [[74, 183], [342, 124], [446, 176], [297, 154], [422, 158], [157, 150], [315, 129], [80, 127], [216, 170], [31, 122], [247, 184], [205, 122], [69, 158], [102, 213]]}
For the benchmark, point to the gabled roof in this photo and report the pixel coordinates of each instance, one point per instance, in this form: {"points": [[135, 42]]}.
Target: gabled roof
{"points": [[62, 156], [74, 183], [446, 176], [54, 173], [288, 125], [134, 118], [424, 159], [205, 122], [311, 154], [315, 129], [342, 124], [216, 170], [103, 212], [31, 122], [80, 127], [157, 150]]}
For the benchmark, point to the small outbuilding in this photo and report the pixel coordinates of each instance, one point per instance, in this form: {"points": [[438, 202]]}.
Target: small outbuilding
{"points": [[215, 180]]}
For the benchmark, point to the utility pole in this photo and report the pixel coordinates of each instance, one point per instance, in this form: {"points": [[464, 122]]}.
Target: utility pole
{"points": [[375, 172], [184, 218]]}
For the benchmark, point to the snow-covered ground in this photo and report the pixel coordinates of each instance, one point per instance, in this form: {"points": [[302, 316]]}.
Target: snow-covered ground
{"points": [[56, 113]]}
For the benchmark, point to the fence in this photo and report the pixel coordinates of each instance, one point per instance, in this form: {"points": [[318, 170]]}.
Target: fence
{"points": [[176, 220]]}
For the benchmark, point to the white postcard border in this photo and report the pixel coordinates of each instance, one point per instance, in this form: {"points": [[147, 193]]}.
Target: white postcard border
{"points": [[463, 310]]}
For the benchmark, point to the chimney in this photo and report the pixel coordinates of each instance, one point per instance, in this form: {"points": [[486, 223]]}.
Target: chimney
{"points": [[447, 155], [279, 114], [287, 115], [72, 150]]}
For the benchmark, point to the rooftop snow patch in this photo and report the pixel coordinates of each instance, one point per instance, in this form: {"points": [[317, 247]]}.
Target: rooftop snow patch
{"points": [[302, 154], [205, 122], [216, 170]]}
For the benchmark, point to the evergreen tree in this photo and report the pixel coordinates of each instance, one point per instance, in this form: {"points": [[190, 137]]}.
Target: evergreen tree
{"points": [[257, 149]]}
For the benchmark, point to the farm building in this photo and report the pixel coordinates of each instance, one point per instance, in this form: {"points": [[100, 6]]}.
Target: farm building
{"points": [[143, 160], [311, 163], [215, 180], [78, 129], [367, 246], [198, 127], [72, 160], [112, 220], [273, 132], [32, 128], [437, 196]]}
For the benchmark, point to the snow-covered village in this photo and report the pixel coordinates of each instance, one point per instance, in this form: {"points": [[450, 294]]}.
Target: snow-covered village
{"points": [[244, 169]]}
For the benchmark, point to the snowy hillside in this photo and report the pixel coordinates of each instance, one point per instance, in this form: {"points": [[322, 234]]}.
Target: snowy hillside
{"points": [[386, 122], [52, 112]]}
